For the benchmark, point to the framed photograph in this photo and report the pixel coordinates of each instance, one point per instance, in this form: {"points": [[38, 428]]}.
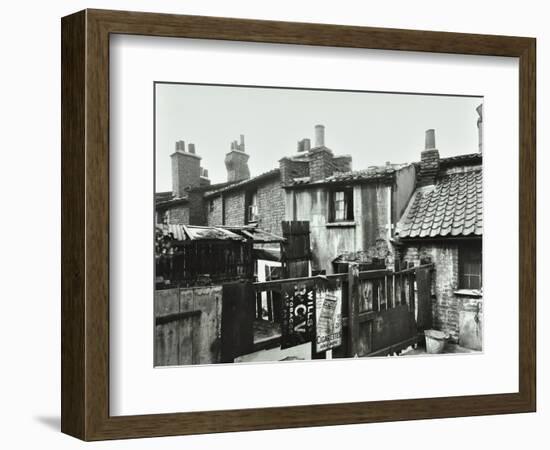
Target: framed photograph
{"points": [[273, 225]]}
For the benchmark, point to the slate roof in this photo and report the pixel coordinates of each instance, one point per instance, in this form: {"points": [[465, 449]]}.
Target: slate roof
{"points": [[452, 207]]}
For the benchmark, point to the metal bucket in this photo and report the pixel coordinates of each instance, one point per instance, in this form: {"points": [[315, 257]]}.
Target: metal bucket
{"points": [[435, 341]]}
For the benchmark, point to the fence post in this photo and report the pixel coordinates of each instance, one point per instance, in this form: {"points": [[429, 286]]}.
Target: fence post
{"points": [[237, 327], [353, 308]]}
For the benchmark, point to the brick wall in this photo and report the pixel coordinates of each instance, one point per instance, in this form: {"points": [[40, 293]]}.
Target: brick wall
{"points": [[179, 214], [445, 306], [291, 169], [214, 211], [320, 164], [197, 209], [234, 208], [185, 172], [429, 167], [271, 206], [342, 163]]}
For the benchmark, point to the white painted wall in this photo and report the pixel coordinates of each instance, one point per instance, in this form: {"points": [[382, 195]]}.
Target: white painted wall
{"points": [[29, 177]]}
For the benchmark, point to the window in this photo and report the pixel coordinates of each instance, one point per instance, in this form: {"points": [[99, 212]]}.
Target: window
{"points": [[252, 206], [469, 260], [163, 217], [211, 205], [341, 205]]}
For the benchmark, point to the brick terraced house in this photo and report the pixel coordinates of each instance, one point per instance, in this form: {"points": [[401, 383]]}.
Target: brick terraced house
{"points": [[351, 214], [443, 224]]}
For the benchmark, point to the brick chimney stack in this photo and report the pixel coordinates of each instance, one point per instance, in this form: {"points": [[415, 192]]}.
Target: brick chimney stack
{"points": [[304, 145], [186, 169], [320, 160], [236, 162], [429, 161]]}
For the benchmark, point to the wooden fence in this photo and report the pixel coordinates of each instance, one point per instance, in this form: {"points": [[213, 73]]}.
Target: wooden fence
{"points": [[216, 260], [382, 312]]}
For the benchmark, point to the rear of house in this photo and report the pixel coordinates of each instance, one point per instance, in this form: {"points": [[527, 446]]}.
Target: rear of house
{"points": [[443, 224]]}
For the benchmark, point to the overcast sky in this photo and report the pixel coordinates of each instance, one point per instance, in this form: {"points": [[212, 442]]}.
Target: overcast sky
{"points": [[372, 127]]}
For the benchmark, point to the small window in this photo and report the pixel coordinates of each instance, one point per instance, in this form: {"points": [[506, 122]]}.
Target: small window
{"points": [[252, 206], [341, 205], [469, 260], [211, 205]]}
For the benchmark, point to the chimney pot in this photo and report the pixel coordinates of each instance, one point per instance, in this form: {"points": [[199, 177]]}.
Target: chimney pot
{"points": [[307, 145], [241, 145], [430, 139], [319, 136], [191, 148], [180, 146]]}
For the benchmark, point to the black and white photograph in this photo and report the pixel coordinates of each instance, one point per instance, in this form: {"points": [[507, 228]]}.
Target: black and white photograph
{"points": [[296, 224]]}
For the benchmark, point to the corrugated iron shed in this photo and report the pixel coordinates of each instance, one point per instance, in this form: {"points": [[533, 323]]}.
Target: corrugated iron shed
{"points": [[244, 233]]}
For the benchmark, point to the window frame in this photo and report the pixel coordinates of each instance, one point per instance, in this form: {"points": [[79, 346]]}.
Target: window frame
{"points": [[347, 201], [470, 254], [251, 199]]}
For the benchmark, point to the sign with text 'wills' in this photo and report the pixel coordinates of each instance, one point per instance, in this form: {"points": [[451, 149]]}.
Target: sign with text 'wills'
{"points": [[328, 313], [298, 324]]}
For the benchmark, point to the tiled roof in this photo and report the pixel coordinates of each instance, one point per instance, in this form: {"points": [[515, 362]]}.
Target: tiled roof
{"points": [[372, 173], [163, 196], [160, 202], [239, 184], [472, 158], [451, 207]]}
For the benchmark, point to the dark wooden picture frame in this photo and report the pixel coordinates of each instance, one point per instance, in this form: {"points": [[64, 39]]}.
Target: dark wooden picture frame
{"points": [[85, 224]]}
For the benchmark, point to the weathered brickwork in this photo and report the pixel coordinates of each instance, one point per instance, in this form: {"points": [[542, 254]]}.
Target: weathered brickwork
{"points": [[234, 208], [197, 209], [291, 169], [271, 206], [445, 305], [214, 211], [270, 201], [178, 214], [320, 165]]}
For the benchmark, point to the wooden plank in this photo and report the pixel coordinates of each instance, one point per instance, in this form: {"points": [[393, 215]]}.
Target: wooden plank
{"points": [[166, 304], [373, 274], [209, 301], [188, 329], [423, 286], [74, 321], [353, 308], [276, 284], [166, 344], [238, 311]]}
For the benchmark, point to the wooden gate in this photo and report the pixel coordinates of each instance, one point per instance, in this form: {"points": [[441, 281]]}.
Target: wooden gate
{"points": [[188, 326], [296, 250], [386, 311]]}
